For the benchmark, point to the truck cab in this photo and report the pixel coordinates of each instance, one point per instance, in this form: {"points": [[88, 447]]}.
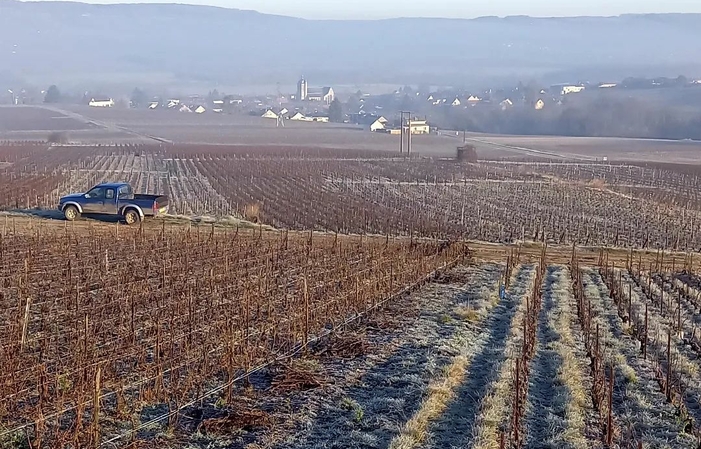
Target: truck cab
{"points": [[113, 199]]}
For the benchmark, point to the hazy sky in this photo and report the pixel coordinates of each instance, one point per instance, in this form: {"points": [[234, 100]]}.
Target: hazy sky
{"points": [[374, 9]]}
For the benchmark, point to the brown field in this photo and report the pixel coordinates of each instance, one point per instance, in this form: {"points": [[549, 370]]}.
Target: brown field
{"points": [[592, 148], [36, 119], [86, 125]]}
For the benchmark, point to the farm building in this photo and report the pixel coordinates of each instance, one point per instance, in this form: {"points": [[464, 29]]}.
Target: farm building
{"points": [[101, 103], [566, 89], [456, 102], [318, 118], [419, 127], [539, 105], [199, 110], [270, 114], [377, 125], [473, 99], [297, 116]]}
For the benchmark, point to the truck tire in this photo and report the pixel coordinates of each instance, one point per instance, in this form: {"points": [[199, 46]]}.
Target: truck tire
{"points": [[131, 216], [71, 213]]}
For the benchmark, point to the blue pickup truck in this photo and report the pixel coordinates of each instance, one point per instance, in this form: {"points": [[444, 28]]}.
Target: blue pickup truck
{"points": [[116, 198]]}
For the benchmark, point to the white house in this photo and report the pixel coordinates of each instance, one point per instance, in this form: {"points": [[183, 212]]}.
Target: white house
{"points": [[377, 125], [318, 118], [173, 103], [473, 99], [540, 104], [456, 102], [199, 110], [218, 106], [270, 114], [153, 105], [101, 103], [184, 108], [297, 116]]}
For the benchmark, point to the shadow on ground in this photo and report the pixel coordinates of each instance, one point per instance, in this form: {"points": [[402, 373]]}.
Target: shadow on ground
{"points": [[50, 214]]}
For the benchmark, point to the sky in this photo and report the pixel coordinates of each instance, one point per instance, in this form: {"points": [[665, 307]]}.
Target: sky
{"points": [[378, 9]]}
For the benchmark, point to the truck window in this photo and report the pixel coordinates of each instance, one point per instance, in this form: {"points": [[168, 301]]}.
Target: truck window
{"points": [[109, 194], [124, 192], [96, 193]]}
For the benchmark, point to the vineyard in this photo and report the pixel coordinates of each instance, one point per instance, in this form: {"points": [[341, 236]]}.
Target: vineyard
{"points": [[403, 303], [362, 192], [121, 337]]}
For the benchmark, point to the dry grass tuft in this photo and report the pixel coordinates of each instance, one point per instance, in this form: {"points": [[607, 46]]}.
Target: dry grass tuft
{"points": [[440, 392], [467, 313], [238, 420], [253, 212], [346, 346], [297, 375]]}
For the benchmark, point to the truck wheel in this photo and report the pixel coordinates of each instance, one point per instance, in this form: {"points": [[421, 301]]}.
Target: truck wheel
{"points": [[71, 213], [131, 217]]}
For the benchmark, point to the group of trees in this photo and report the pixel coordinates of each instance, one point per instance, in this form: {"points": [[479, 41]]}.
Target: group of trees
{"points": [[336, 113], [601, 117], [53, 95]]}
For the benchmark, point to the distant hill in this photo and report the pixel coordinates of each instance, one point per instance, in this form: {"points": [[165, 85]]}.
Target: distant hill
{"points": [[135, 44]]}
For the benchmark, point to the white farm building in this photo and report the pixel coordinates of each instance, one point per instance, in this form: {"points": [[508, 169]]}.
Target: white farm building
{"points": [[101, 103]]}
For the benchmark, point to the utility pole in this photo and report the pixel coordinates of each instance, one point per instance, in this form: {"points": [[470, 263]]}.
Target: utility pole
{"points": [[402, 114], [401, 132], [408, 124]]}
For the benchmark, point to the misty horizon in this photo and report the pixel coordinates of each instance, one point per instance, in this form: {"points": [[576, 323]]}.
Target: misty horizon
{"points": [[162, 46], [441, 9]]}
